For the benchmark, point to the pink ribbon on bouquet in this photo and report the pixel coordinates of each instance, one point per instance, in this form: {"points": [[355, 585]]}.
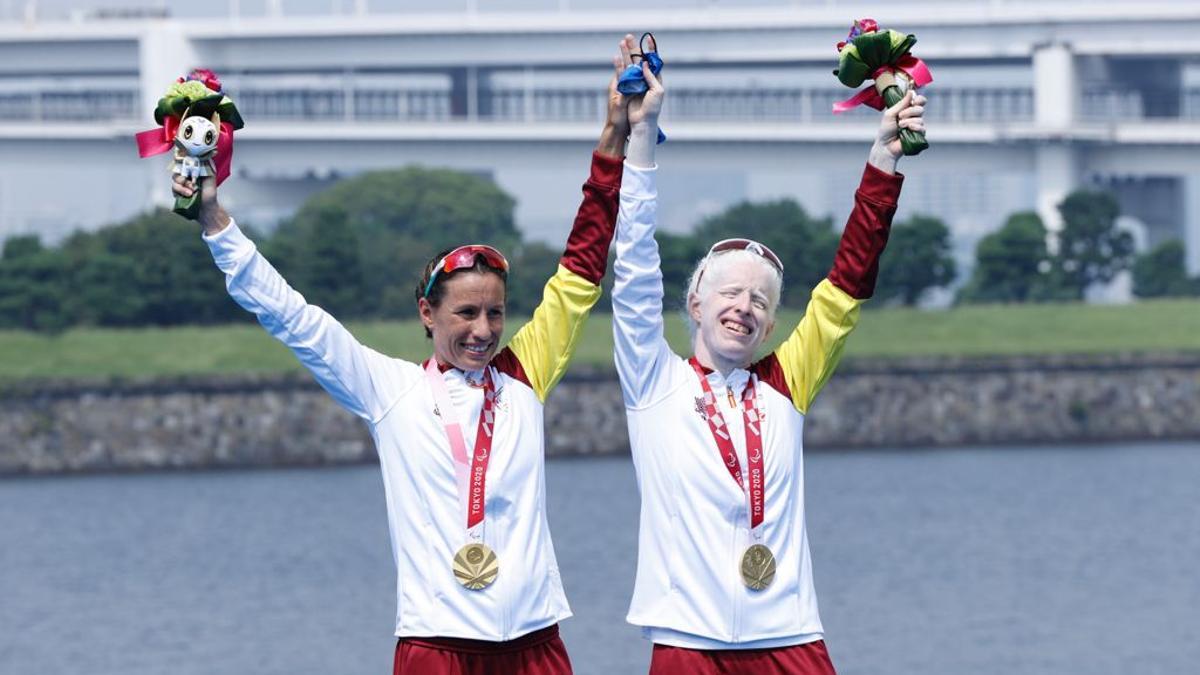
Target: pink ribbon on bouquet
{"points": [[908, 64], [157, 141]]}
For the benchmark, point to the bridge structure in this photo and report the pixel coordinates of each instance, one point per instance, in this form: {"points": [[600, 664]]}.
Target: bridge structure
{"points": [[1030, 101]]}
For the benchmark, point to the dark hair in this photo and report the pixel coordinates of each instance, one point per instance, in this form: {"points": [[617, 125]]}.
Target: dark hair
{"points": [[439, 284]]}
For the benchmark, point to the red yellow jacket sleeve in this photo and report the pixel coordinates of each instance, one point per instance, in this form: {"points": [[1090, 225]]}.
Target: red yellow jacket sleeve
{"points": [[541, 350], [804, 362]]}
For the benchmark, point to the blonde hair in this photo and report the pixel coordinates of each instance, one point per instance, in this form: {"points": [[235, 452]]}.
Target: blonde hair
{"points": [[712, 268]]}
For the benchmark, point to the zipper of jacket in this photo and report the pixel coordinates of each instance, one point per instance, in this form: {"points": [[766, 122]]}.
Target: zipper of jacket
{"points": [[736, 628], [737, 539], [502, 598]]}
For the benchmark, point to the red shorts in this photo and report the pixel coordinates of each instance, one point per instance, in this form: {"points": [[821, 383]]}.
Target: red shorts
{"points": [[807, 659], [538, 653]]}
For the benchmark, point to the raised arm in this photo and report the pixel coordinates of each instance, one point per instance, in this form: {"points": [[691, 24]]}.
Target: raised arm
{"points": [[360, 379], [541, 350], [804, 362], [637, 298]]}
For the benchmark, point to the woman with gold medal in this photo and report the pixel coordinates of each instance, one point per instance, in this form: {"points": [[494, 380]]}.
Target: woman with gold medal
{"points": [[460, 437], [724, 580]]}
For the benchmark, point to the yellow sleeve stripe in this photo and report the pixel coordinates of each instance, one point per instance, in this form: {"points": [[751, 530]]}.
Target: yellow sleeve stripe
{"points": [[545, 345], [808, 357]]}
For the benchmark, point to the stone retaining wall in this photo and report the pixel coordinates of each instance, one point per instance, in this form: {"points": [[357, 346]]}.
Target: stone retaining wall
{"points": [[249, 420]]}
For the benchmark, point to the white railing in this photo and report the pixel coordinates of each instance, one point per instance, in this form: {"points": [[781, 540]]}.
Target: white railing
{"points": [[385, 104], [1110, 104], [405, 104], [359, 104], [32, 11], [957, 105], [69, 106], [1190, 105], [291, 104], [543, 105], [587, 105], [763, 105]]}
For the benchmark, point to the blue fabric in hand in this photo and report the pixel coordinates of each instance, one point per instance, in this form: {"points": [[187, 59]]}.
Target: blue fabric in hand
{"points": [[632, 82]]}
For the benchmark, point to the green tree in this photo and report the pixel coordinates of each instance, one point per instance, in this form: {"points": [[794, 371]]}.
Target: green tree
{"points": [[22, 246], [105, 291], [805, 245], [32, 287], [155, 270], [1160, 272], [679, 254], [324, 262], [395, 220], [530, 266], [1011, 263], [1091, 248], [917, 259]]}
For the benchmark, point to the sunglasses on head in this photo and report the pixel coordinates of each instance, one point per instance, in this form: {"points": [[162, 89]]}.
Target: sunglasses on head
{"points": [[742, 245], [464, 257]]}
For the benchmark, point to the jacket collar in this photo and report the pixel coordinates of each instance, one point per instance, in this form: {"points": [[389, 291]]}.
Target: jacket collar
{"points": [[471, 376], [737, 377]]}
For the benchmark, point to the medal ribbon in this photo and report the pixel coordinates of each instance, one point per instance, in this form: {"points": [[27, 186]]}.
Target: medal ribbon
{"points": [[471, 471], [755, 487]]}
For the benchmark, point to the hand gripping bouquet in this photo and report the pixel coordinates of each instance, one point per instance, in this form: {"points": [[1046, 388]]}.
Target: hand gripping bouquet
{"points": [[198, 121], [882, 56]]}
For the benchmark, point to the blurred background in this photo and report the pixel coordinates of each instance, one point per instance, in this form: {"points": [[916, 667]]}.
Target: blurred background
{"points": [[1018, 495]]}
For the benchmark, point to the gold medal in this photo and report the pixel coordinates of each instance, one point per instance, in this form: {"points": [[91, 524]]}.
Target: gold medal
{"points": [[476, 566], [758, 567]]}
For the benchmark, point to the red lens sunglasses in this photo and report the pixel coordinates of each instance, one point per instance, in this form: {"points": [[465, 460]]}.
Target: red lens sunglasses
{"points": [[742, 245], [464, 257]]}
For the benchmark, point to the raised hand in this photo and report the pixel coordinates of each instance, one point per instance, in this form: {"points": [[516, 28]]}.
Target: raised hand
{"points": [[907, 114], [616, 122], [618, 103], [643, 108], [212, 217]]}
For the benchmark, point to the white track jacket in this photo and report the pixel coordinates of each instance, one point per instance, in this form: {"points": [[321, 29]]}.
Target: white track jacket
{"points": [[426, 518], [694, 523]]}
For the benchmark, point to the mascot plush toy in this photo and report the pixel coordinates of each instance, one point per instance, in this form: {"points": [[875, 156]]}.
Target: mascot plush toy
{"points": [[195, 145], [198, 121]]}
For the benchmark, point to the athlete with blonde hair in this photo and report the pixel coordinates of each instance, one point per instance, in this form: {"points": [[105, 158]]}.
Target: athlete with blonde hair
{"points": [[724, 578]]}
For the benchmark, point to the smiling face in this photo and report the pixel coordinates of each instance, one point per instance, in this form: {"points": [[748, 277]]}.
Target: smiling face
{"points": [[733, 309], [468, 320], [197, 136]]}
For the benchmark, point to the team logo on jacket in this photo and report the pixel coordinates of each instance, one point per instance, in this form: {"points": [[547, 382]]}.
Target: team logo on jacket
{"points": [[701, 409], [500, 401]]}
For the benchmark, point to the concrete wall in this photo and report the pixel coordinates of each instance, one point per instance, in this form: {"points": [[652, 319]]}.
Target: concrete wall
{"points": [[237, 421]]}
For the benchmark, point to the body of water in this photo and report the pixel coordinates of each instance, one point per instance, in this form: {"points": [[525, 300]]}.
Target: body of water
{"points": [[1062, 560]]}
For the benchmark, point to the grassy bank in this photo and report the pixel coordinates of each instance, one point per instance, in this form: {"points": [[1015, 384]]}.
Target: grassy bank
{"points": [[1158, 326]]}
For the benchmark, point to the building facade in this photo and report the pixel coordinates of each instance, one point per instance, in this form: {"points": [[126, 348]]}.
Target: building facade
{"points": [[1030, 100]]}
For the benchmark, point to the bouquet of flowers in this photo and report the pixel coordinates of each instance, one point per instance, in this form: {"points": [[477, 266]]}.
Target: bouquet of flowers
{"points": [[883, 56], [198, 120]]}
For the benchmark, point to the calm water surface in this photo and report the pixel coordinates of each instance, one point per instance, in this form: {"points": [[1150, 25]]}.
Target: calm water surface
{"points": [[976, 561]]}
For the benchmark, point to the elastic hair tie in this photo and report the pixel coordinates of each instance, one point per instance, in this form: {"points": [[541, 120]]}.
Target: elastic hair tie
{"points": [[632, 82]]}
